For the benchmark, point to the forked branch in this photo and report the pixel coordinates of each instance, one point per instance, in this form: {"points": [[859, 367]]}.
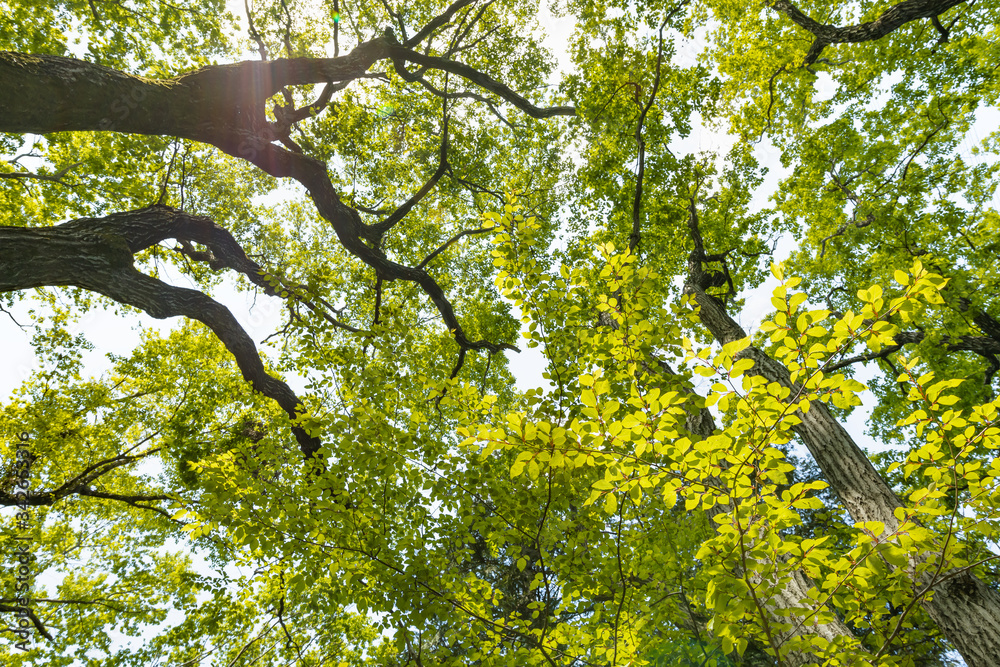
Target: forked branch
{"points": [[889, 21]]}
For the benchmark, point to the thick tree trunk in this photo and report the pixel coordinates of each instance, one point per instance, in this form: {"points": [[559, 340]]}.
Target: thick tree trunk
{"points": [[966, 610], [701, 423]]}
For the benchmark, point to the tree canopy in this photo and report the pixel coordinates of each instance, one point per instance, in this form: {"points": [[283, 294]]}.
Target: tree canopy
{"points": [[426, 195]]}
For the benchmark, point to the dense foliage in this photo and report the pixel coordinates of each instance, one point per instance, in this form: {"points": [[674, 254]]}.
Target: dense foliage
{"points": [[423, 191]]}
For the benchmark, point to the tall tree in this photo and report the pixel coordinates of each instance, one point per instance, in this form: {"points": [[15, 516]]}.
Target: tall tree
{"points": [[409, 185]]}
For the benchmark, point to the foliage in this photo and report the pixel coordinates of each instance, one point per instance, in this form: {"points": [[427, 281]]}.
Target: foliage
{"points": [[678, 492]]}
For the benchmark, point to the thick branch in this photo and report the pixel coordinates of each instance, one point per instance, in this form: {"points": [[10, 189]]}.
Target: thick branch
{"points": [[218, 104], [413, 76], [96, 254], [80, 485], [48, 498], [42, 630], [984, 346], [889, 21], [352, 233]]}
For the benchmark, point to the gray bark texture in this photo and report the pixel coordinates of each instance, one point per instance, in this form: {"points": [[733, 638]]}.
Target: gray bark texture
{"points": [[223, 106], [701, 424], [96, 254], [889, 21], [966, 609]]}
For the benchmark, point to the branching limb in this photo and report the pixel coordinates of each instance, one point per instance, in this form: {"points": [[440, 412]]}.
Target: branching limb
{"points": [[889, 21], [401, 54], [770, 100], [859, 224], [134, 501], [261, 278], [93, 472], [487, 102], [223, 106], [353, 233], [56, 177], [438, 21], [452, 240], [80, 485], [474, 187], [281, 620], [42, 630], [146, 227], [380, 228], [863, 358], [635, 236], [13, 319], [465, 26], [97, 255], [162, 301], [302, 294], [985, 346], [252, 29]]}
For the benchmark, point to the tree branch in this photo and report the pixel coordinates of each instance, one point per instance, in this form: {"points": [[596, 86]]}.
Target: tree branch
{"points": [[55, 177], [97, 255], [382, 227], [889, 21], [401, 54], [452, 240], [636, 235], [440, 20], [31, 614], [985, 346]]}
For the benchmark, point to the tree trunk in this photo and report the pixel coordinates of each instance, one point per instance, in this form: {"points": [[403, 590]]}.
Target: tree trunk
{"points": [[701, 423], [966, 610]]}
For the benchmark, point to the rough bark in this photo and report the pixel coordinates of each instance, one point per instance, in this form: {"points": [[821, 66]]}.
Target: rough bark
{"points": [[219, 104], [96, 254], [701, 423], [224, 106], [887, 22], [965, 609]]}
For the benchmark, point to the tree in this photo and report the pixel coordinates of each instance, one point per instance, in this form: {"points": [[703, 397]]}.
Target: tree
{"points": [[406, 504]]}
